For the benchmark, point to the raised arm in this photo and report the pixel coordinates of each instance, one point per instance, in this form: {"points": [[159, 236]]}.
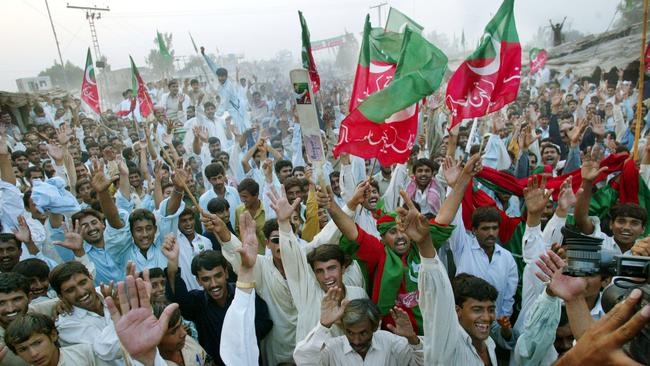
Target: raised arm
{"points": [[100, 184], [346, 224], [458, 179], [590, 171], [6, 169]]}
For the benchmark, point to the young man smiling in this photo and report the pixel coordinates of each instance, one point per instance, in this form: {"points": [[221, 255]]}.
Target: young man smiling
{"points": [[309, 277], [207, 307], [34, 338], [87, 320]]}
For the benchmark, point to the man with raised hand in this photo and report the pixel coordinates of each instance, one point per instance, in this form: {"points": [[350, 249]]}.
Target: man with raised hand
{"points": [[309, 277], [456, 321], [478, 252], [363, 342]]}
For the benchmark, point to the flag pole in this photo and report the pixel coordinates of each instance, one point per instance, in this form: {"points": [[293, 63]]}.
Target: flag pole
{"points": [[642, 67]]}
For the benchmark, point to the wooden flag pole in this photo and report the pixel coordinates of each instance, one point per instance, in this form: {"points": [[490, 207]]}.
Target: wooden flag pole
{"points": [[642, 66]]}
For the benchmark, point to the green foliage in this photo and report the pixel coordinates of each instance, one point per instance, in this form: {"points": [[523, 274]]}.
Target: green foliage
{"points": [[160, 65], [631, 12], [56, 72]]}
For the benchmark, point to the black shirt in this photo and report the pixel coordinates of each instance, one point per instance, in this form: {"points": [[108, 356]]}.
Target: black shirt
{"points": [[198, 307]]}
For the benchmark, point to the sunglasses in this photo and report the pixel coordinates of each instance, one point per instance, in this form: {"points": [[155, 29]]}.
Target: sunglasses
{"points": [[275, 240]]}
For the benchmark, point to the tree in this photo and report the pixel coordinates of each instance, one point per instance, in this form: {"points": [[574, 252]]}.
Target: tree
{"points": [[56, 73], [159, 64], [631, 12]]}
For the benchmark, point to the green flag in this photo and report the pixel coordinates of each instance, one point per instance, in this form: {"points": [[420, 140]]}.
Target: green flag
{"points": [[397, 22], [163, 46]]}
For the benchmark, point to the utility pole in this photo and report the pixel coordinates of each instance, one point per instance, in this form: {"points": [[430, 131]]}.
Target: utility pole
{"points": [[94, 13], [378, 6], [58, 48]]}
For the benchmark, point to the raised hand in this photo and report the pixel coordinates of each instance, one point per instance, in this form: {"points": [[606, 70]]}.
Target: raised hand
{"points": [[55, 151], [451, 170], [168, 139], [4, 148], [201, 133], [332, 307], [22, 233], [473, 166], [591, 164], [598, 126], [602, 343], [563, 286], [98, 180], [63, 135], [536, 196], [528, 137], [412, 222], [575, 135], [403, 326], [506, 327], [248, 250], [359, 194], [121, 166], [138, 329], [567, 199], [170, 248], [180, 177], [641, 247], [279, 203], [72, 240]]}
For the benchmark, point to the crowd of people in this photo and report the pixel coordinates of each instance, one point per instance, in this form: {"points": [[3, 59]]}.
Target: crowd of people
{"points": [[201, 235]]}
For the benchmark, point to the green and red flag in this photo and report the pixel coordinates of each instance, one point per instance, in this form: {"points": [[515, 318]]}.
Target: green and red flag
{"points": [[383, 123], [89, 91], [162, 45], [139, 92], [489, 78], [307, 57], [538, 59], [647, 57]]}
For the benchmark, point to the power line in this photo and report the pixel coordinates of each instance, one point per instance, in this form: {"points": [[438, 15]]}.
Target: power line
{"points": [[58, 48]]}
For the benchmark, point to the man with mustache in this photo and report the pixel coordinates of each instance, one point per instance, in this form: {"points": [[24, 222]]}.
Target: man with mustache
{"points": [[477, 252], [370, 346], [392, 263], [207, 307]]}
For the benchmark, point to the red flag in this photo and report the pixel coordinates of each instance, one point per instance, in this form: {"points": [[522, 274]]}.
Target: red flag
{"points": [[537, 59], [139, 92], [489, 77], [89, 92]]}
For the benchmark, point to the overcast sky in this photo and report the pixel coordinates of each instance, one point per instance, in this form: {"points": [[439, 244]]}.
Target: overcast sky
{"points": [[256, 28]]}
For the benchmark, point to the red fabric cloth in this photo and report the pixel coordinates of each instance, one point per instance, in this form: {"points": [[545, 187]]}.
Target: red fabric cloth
{"points": [[473, 199], [614, 163], [628, 187]]}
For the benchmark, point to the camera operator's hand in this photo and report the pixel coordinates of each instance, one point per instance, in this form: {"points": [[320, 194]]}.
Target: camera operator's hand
{"points": [[602, 343], [565, 287], [641, 247]]}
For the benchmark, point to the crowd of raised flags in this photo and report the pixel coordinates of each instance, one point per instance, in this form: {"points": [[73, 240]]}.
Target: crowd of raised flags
{"points": [[417, 219]]}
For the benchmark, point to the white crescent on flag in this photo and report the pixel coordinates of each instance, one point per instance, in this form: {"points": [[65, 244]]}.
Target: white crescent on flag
{"points": [[493, 66], [403, 114], [379, 69], [87, 75]]}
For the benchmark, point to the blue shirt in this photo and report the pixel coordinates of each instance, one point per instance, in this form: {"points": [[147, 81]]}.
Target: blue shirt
{"points": [[231, 195], [123, 250]]}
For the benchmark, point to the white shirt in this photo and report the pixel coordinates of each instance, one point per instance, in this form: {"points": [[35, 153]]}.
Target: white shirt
{"points": [[187, 251], [231, 195], [240, 347], [83, 326], [446, 343], [304, 287], [387, 349], [500, 271], [274, 290]]}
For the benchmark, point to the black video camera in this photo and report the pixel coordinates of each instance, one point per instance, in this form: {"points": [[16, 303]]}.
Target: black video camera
{"points": [[585, 257]]}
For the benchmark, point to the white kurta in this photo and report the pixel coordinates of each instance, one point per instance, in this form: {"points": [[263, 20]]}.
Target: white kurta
{"points": [[445, 341], [387, 349], [304, 287]]}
